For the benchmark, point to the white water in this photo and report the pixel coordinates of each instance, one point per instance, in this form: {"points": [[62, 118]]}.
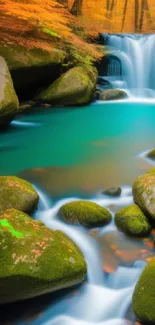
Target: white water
{"points": [[101, 301], [136, 53]]}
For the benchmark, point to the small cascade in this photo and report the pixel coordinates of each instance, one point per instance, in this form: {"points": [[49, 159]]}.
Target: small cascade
{"points": [[131, 64]]}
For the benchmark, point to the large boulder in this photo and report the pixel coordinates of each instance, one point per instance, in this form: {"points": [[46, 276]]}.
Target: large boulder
{"points": [[17, 193], [86, 213], [34, 259], [75, 87], [144, 193], [132, 221], [113, 94], [8, 99], [143, 300], [32, 69]]}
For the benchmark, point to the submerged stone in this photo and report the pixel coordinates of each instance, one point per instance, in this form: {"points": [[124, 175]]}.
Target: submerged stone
{"points": [[35, 259], [143, 300], [17, 193], [151, 154], [8, 99], [144, 193], [132, 221], [113, 94], [88, 214], [75, 87], [112, 191]]}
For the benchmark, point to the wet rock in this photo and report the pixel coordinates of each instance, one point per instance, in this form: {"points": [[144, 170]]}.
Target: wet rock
{"points": [[75, 87], [34, 259], [144, 193], [26, 106], [151, 154], [132, 221], [17, 193], [112, 191], [86, 213], [8, 99], [113, 94], [144, 294]]}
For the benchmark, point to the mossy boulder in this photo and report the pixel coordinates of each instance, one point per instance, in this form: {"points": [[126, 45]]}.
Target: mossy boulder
{"points": [[34, 259], [144, 193], [8, 99], [75, 87], [17, 193], [151, 154], [32, 69], [132, 221], [88, 214], [143, 300], [113, 94], [112, 191]]}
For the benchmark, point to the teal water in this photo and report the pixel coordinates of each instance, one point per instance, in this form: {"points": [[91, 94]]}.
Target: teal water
{"points": [[79, 150]]}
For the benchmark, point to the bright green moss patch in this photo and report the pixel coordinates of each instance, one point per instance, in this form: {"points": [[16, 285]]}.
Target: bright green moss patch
{"points": [[17, 193], [132, 221], [143, 300], [87, 213], [5, 223], [35, 259]]}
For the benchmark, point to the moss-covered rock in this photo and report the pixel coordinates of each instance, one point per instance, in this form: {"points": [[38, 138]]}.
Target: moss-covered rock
{"points": [[151, 154], [75, 87], [144, 193], [112, 191], [31, 69], [113, 94], [132, 221], [8, 99], [34, 259], [144, 295], [17, 193], [88, 214]]}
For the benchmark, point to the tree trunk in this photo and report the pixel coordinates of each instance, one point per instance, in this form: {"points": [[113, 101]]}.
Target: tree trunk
{"points": [[124, 14], [137, 15], [77, 8]]}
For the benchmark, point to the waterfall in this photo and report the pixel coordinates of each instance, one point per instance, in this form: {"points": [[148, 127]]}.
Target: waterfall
{"points": [[137, 63]]}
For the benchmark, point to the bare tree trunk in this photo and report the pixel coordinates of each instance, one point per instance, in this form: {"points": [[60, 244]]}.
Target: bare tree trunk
{"points": [[124, 14], [77, 8], [141, 16], [136, 15]]}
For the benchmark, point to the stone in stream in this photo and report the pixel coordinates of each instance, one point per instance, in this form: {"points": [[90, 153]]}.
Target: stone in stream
{"points": [[88, 214], [132, 221], [112, 191], [8, 99], [17, 193], [143, 300], [144, 193], [35, 259], [113, 94], [151, 154], [75, 87]]}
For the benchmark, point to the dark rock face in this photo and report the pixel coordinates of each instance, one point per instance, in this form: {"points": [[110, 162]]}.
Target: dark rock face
{"points": [[36, 260], [8, 99]]}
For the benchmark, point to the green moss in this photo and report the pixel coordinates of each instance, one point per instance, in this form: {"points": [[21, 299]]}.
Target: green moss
{"points": [[144, 193], [75, 87], [87, 213], [132, 221], [39, 261], [144, 295], [17, 193]]}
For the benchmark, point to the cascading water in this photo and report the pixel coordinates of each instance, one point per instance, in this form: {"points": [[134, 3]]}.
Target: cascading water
{"points": [[136, 56]]}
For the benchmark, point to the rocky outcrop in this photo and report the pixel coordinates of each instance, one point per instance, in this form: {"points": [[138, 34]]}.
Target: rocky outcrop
{"points": [[88, 214], [132, 221], [113, 94], [8, 99], [75, 87], [17, 193], [34, 259]]}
